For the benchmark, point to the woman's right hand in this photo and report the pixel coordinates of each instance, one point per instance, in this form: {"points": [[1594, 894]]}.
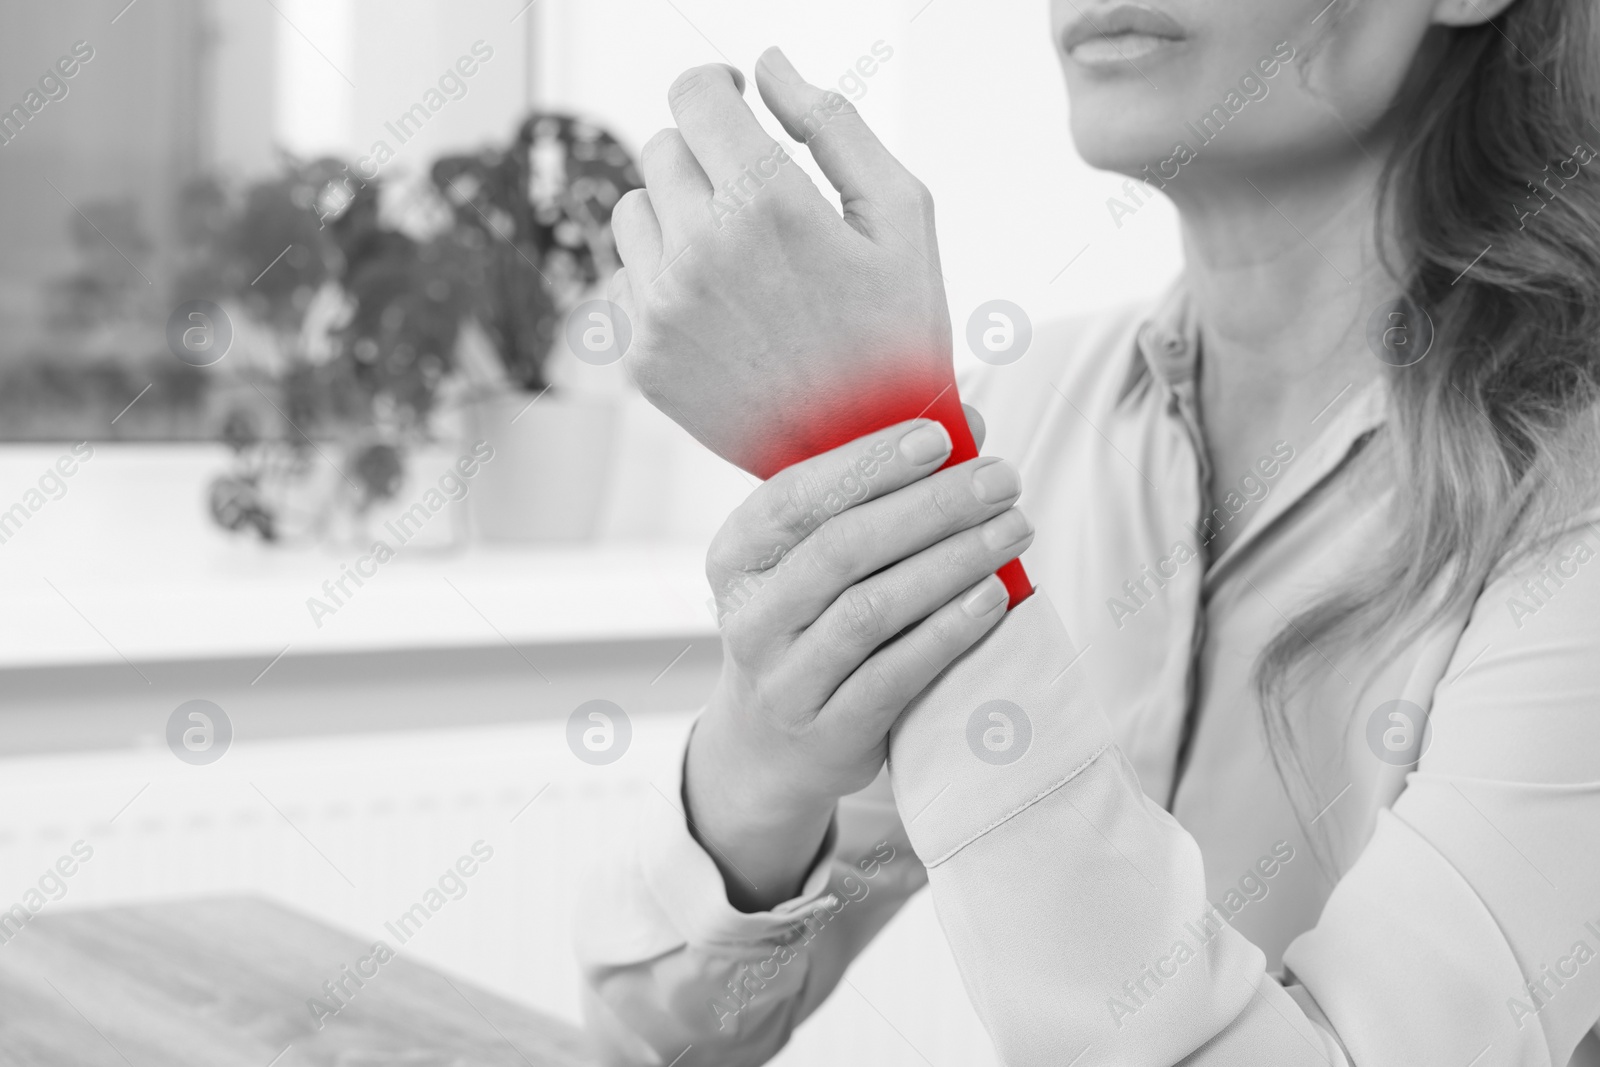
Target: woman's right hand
{"points": [[844, 585]]}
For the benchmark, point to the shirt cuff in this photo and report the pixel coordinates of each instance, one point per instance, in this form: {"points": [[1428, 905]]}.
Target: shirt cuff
{"points": [[1002, 728], [691, 892]]}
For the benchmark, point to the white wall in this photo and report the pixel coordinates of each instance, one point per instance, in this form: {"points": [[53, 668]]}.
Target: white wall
{"points": [[343, 68]]}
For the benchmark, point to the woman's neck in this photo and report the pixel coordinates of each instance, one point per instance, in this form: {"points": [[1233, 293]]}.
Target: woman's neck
{"points": [[1283, 269], [1284, 274]]}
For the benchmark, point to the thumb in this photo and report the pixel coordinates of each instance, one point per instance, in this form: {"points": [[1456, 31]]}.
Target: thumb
{"points": [[872, 184]]}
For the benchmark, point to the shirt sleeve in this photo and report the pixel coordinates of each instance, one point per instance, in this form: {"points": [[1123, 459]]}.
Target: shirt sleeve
{"points": [[1470, 925], [1076, 907], [674, 974]]}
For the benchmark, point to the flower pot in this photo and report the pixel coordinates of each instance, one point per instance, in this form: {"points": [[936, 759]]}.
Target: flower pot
{"points": [[550, 470]]}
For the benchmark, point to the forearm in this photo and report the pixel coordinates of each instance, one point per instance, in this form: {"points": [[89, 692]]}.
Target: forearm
{"points": [[1064, 891]]}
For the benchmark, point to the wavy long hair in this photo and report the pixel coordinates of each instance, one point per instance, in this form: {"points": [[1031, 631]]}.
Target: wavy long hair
{"points": [[1492, 436]]}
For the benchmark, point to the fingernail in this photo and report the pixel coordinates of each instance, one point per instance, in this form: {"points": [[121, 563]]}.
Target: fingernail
{"points": [[781, 68], [996, 482], [1006, 530], [926, 444], [984, 597]]}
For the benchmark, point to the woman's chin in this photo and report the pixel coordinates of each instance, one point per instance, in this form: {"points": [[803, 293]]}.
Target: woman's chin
{"points": [[1115, 147]]}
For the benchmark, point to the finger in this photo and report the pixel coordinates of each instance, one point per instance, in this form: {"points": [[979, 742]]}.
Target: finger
{"points": [[638, 233], [893, 527], [870, 613], [679, 190], [619, 290], [976, 424], [872, 184], [708, 105], [873, 696], [786, 508]]}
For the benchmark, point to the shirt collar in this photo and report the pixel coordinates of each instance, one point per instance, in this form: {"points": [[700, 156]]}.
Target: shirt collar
{"points": [[1167, 350], [1166, 346]]}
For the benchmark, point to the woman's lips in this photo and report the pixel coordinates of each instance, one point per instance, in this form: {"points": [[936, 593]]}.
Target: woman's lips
{"points": [[1120, 34]]}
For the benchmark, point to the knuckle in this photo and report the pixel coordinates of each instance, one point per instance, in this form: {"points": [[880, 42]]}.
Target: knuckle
{"points": [[691, 284], [791, 505], [739, 552], [823, 108], [837, 105], [768, 209], [879, 686], [863, 616], [938, 637], [689, 85], [945, 508], [628, 207], [966, 555], [661, 139], [833, 551]]}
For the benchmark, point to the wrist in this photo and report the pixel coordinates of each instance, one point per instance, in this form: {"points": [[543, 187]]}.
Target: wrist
{"points": [[734, 784], [762, 830]]}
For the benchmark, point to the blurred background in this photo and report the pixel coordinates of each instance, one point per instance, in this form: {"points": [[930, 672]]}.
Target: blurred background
{"points": [[283, 280]]}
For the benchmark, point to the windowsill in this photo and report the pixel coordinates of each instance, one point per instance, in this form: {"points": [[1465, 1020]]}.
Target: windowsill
{"points": [[252, 601], [126, 565]]}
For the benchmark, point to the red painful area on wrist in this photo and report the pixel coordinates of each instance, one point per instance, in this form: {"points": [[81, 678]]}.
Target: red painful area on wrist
{"points": [[844, 415]]}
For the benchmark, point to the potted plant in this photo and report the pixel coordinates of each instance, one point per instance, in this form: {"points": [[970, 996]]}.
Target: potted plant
{"points": [[357, 324], [541, 213], [366, 329]]}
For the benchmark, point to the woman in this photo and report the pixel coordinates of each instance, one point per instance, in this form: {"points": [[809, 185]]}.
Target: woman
{"points": [[1315, 778]]}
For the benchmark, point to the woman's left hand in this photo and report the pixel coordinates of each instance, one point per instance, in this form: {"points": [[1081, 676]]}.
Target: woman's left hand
{"points": [[763, 322]]}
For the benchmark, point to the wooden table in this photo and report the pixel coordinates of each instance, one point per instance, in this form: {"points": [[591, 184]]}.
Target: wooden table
{"points": [[225, 982]]}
